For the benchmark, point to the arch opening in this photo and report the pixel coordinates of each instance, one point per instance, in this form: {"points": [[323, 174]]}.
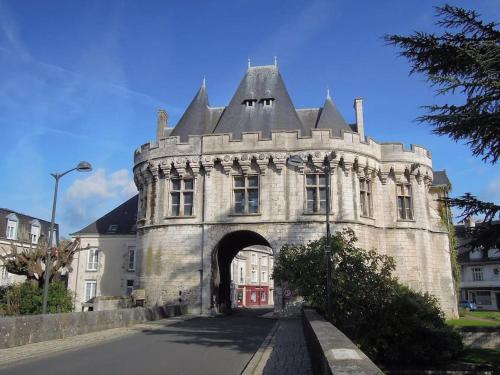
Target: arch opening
{"points": [[247, 278]]}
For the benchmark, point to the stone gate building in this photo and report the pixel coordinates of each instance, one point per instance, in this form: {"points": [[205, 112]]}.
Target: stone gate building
{"points": [[219, 181]]}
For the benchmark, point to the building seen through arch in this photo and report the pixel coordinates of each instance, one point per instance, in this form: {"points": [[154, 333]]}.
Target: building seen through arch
{"points": [[220, 181]]}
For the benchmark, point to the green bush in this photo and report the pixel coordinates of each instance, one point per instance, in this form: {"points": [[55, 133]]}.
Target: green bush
{"points": [[26, 299], [391, 323]]}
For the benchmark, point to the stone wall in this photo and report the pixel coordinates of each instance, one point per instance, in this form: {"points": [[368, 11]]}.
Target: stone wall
{"points": [[27, 329], [331, 351], [481, 337]]}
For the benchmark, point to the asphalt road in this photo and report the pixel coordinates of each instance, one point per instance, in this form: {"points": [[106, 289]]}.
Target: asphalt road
{"points": [[221, 345]]}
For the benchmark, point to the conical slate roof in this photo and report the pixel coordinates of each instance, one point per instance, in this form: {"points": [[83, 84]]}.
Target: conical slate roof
{"points": [[197, 118], [260, 82], [330, 118]]}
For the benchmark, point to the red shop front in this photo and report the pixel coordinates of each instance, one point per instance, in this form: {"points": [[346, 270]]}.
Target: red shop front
{"points": [[253, 295]]}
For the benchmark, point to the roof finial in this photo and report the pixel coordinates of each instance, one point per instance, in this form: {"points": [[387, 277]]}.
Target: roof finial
{"points": [[249, 62], [204, 82], [328, 93], [276, 61]]}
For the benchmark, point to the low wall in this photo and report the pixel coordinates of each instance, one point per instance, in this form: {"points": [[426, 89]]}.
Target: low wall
{"points": [[480, 337], [27, 329], [331, 351]]}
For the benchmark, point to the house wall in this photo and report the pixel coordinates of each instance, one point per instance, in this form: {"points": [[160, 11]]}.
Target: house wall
{"points": [[174, 250], [112, 268]]}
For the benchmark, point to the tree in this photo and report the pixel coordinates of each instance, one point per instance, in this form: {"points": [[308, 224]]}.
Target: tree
{"points": [[464, 59], [391, 323], [29, 260]]}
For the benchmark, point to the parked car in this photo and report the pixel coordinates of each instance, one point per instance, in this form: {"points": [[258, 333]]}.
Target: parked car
{"points": [[468, 305]]}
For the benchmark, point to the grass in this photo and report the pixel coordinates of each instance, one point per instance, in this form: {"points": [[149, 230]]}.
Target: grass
{"points": [[464, 322], [477, 319], [493, 315]]}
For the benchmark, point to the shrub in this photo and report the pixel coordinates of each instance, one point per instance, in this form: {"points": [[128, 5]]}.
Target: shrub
{"points": [[390, 322], [26, 299]]}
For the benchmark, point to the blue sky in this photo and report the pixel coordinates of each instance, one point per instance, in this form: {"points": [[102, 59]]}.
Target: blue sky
{"points": [[82, 80]]}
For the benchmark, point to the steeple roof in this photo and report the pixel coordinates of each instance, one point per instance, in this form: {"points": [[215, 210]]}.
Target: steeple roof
{"points": [[330, 118], [259, 83], [197, 118]]}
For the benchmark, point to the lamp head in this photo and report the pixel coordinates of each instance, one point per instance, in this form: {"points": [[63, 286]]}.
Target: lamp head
{"points": [[83, 166]]}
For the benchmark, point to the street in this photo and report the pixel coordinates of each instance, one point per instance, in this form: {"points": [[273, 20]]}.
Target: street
{"points": [[220, 345]]}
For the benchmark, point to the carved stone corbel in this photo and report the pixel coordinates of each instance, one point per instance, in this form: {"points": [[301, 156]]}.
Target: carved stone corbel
{"points": [[208, 164]]}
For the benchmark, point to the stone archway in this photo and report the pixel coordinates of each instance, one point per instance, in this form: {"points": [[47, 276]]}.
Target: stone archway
{"points": [[222, 255]]}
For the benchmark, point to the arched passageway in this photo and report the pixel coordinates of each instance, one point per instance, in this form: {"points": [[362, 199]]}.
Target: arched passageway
{"points": [[222, 255]]}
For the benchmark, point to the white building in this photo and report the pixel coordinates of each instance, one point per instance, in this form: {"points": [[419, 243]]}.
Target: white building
{"points": [[22, 231], [108, 267], [480, 272]]}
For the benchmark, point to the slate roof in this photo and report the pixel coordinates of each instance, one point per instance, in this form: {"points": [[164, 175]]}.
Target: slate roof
{"points": [[121, 220], [440, 178], [330, 118], [259, 82], [24, 225]]}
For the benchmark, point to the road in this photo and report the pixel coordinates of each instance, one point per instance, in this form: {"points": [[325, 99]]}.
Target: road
{"points": [[221, 345]]}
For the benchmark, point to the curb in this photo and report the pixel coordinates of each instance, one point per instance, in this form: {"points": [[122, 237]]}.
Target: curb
{"points": [[256, 364]]}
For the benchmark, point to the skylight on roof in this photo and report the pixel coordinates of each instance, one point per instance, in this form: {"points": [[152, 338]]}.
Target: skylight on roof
{"points": [[113, 228]]}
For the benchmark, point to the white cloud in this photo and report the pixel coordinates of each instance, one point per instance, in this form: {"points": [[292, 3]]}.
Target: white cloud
{"points": [[89, 197]]}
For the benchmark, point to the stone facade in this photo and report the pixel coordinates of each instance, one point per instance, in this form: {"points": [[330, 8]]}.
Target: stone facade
{"points": [[182, 256]]}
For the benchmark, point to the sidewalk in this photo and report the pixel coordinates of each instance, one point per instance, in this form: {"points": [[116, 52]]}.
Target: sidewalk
{"points": [[283, 352], [11, 356]]}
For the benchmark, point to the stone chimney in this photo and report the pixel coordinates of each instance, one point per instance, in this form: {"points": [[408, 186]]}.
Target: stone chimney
{"points": [[469, 222], [162, 123], [358, 107]]}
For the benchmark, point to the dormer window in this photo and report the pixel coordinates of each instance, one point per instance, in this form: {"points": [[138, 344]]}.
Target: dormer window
{"points": [[35, 231], [11, 232], [249, 102], [113, 228], [267, 102]]}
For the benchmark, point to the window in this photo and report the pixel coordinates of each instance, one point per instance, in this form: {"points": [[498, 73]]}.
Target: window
{"points": [[263, 276], [181, 194], [483, 298], [254, 276], [130, 287], [365, 197], [90, 289], [242, 277], [253, 296], [267, 102], [249, 102], [254, 259], [131, 258], [35, 233], [92, 259], [315, 193], [246, 194], [11, 230], [262, 296], [405, 207], [113, 228], [477, 274], [263, 261]]}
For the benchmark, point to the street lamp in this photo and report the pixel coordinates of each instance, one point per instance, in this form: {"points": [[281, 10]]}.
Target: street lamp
{"points": [[297, 161], [83, 166]]}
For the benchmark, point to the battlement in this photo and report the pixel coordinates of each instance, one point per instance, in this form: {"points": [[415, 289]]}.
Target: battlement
{"points": [[281, 141]]}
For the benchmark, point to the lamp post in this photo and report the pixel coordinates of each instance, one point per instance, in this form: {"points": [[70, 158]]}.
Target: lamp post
{"points": [[297, 161], [83, 166]]}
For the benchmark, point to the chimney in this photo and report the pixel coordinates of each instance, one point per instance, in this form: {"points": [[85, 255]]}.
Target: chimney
{"points": [[469, 222], [162, 121], [358, 107]]}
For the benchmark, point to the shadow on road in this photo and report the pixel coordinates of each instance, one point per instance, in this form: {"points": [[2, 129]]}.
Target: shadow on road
{"points": [[242, 330]]}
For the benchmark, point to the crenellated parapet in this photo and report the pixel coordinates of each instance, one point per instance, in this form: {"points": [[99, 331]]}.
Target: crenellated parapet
{"points": [[202, 152]]}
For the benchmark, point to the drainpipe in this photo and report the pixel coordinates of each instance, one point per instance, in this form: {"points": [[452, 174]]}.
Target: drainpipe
{"points": [[202, 232]]}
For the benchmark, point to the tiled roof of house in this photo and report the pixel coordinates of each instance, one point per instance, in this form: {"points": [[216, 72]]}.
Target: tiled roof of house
{"points": [[24, 225]]}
